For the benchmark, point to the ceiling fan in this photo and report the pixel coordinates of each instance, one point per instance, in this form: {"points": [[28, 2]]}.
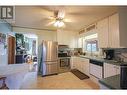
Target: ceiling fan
{"points": [[58, 19]]}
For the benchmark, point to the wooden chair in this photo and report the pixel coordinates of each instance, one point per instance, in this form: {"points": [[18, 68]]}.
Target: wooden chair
{"points": [[4, 86]]}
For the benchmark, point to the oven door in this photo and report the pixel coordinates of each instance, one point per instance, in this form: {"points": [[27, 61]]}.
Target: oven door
{"points": [[64, 62]]}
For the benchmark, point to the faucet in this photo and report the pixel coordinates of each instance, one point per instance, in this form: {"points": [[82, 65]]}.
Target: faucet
{"points": [[91, 53]]}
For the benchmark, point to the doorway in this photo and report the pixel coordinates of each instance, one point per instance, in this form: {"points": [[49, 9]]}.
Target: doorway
{"points": [[11, 49]]}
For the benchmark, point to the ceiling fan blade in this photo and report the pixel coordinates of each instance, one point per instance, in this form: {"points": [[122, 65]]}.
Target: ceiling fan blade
{"points": [[61, 13], [51, 17], [50, 23], [67, 20]]}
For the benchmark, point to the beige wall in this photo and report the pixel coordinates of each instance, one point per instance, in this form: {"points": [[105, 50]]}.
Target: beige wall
{"points": [[42, 34]]}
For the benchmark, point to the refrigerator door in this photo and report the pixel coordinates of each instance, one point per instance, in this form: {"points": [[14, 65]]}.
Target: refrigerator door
{"points": [[49, 68], [50, 51]]}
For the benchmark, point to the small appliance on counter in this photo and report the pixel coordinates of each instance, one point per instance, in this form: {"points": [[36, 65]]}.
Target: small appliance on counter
{"points": [[108, 54], [78, 51]]}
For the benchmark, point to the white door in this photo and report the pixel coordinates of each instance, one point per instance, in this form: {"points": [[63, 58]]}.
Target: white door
{"points": [[82, 64], [117, 69], [80, 42], [78, 64], [114, 40], [109, 70], [102, 27], [85, 66], [86, 69], [74, 63]]}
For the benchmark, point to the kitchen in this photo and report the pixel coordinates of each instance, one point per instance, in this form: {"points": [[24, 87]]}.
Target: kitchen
{"points": [[91, 48]]}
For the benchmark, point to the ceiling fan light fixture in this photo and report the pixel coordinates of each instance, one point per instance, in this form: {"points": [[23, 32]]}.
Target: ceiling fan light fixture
{"points": [[59, 23]]}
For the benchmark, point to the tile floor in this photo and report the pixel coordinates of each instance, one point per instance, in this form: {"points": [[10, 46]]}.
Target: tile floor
{"points": [[64, 81]]}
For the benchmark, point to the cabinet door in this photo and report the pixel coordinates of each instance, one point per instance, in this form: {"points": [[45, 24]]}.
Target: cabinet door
{"points": [[79, 63], [83, 65], [67, 38], [80, 42], [109, 70], [86, 66], [78, 66], [117, 69], [102, 27], [74, 62], [114, 40]]}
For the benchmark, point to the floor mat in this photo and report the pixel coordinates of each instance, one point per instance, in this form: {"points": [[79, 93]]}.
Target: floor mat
{"points": [[79, 74]]}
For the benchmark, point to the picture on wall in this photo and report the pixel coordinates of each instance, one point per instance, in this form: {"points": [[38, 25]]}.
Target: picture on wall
{"points": [[2, 44], [2, 38]]}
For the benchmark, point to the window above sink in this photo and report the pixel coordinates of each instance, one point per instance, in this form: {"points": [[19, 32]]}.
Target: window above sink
{"points": [[90, 43]]}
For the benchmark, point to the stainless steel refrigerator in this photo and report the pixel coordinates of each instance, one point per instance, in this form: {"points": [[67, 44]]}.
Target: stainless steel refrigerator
{"points": [[49, 58]]}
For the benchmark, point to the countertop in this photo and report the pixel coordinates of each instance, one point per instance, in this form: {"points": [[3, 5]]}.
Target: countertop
{"points": [[13, 69], [103, 60], [112, 82]]}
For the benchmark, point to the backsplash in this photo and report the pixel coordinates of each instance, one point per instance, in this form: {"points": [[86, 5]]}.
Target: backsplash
{"points": [[121, 53]]}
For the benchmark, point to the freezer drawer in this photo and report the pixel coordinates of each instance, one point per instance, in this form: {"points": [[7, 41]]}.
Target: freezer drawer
{"points": [[50, 68]]}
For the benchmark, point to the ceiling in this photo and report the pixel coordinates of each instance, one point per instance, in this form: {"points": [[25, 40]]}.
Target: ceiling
{"points": [[79, 16]]}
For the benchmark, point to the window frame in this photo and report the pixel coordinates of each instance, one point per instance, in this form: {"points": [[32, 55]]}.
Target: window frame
{"points": [[92, 42]]}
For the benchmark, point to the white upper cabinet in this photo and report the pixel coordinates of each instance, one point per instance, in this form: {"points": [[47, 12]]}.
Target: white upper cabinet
{"points": [[102, 29], [67, 38], [80, 42], [112, 31], [108, 32]]}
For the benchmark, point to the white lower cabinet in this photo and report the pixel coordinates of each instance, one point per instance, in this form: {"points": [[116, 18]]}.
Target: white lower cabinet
{"points": [[74, 62], [111, 70], [82, 64]]}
